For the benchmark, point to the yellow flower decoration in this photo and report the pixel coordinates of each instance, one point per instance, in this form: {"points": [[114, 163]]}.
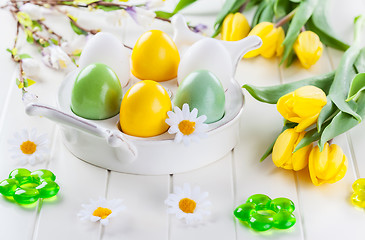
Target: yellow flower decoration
{"points": [[282, 154], [272, 39], [328, 166], [235, 27], [302, 106], [308, 48]]}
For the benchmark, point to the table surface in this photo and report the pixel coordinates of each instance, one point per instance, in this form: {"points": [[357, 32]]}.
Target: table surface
{"points": [[321, 212]]}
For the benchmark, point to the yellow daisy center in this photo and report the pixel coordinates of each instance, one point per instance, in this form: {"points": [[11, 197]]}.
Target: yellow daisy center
{"points": [[102, 212], [186, 127], [28, 147], [187, 205]]}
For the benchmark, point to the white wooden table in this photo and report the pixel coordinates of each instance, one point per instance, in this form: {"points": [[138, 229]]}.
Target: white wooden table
{"points": [[323, 212]]}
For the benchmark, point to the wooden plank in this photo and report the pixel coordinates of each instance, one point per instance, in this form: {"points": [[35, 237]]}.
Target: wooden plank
{"points": [[79, 182], [216, 179], [260, 125], [145, 216]]}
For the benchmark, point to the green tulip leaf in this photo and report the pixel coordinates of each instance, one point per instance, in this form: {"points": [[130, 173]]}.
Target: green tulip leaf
{"points": [[259, 11], [287, 125], [301, 16], [345, 73], [360, 62], [281, 8], [267, 14], [180, 6], [342, 122], [252, 3], [357, 86], [309, 137], [327, 111], [231, 6], [318, 23], [273, 93]]}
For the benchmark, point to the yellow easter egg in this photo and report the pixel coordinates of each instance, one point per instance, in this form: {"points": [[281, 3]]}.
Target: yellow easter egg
{"points": [[144, 109], [155, 57]]}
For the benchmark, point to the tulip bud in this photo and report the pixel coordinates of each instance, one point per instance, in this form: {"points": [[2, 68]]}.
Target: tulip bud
{"points": [[235, 27], [272, 39], [302, 106], [282, 154], [308, 48], [328, 166]]}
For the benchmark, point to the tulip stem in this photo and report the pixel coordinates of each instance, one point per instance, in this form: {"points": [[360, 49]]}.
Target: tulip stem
{"points": [[286, 19]]}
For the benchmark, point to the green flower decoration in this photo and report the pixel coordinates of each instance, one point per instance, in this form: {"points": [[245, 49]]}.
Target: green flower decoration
{"points": [[26, 187], [261, 213]]}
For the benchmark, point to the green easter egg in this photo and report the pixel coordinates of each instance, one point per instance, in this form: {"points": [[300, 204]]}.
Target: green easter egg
{"points": [[202, 90], [97, 93]]}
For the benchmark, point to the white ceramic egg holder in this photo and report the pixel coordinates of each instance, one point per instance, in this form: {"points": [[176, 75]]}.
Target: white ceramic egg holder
{"points": [[102, 143]]}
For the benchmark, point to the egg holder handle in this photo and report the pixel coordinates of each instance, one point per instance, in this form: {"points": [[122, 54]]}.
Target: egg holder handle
{"points": [[114, 138]]}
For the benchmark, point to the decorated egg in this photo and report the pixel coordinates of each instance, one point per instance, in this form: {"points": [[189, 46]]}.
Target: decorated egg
{"points": [[106, 48], [155, 57], [96, 93], [144, 109], [208, 54], [202, 90]]}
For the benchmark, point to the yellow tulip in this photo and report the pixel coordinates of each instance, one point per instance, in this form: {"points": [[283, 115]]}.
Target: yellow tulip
{"points": [[235, 27], [328, 166], [302, 106], [308, 48], [282, 154], [272, 39]]}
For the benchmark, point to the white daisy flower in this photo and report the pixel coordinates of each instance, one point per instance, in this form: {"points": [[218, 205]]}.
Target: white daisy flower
{"points": [[27, 147], [186, 124], [101, 210], [188, 203]]}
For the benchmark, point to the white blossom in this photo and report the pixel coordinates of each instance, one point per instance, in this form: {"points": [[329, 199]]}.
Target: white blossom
{"points": [[141, 16], [35, 12], [30, 67], [54, 57]]}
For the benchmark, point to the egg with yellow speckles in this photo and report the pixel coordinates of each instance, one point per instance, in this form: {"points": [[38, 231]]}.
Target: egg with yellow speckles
{"points": [[144, 109], [155, 57]]}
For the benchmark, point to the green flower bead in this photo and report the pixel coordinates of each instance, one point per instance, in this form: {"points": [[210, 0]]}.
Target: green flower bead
{"points": [[284, 219], [27, 187], [48, 189], [43, 174], [26, 195], [8, 187], [261, 201], [282, 203], [262, 220], [21, 174], [244, 211]]}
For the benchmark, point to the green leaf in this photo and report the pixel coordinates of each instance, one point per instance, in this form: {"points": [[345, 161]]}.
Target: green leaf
{"points": [[259, 10], [360, 62], [29, 35], [345, 73], [301, 16], [24, 55], [273, 93], [267, 14], [86, 1], [54, 41], [76, 29], [182, 4], [357, 85], [271, 147], [9, 50], [24, 19], [37, 25], [342, 122], [318, 23], [309, 137], [108, 8], [230, 6], [281, 8], [163, 14], [296, 1], [17, 81], [252, 3], [327, 111]]}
